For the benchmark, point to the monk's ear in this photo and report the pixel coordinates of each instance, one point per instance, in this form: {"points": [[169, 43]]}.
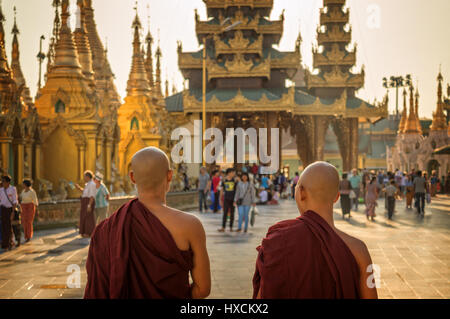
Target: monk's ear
{"points": [[131, 174], [302, 193], [337, 197], [169, 176]]}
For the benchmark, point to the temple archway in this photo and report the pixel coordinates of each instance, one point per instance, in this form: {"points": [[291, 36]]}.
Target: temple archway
{"points": [[433, 165]]}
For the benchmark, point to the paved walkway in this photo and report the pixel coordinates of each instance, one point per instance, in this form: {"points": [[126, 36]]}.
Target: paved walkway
{"points": [[412, 253]]}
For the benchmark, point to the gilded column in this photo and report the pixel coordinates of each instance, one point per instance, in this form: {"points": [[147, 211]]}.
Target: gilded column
{"points": [[355, 143], [29, 157], [37, 162], [4, 145], [108, 159], [81, 161], [20, 162], [91, 152]]}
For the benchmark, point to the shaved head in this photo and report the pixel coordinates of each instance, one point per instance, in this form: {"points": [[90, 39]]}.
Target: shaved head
{"points": [[321, 181], [149, 168]]}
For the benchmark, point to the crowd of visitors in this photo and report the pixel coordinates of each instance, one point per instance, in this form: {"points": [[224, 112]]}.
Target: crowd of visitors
{"points": [[226, 189]]}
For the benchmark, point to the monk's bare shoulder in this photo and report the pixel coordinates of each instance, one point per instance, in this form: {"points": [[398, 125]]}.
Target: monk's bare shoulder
{"points": [[187, 221], [357, 247]]}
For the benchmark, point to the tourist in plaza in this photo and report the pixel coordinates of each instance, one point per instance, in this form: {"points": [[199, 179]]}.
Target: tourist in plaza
{"points": [[204, 184], [294, 184], [186, 186], [216, 190], [308, 257], [345, 188], [265, 182], [263, 196], [371, 198], [355, 181], [29, 203], [420, 190], [403, 184], [101, 199], [147, 250], [8, 203], [274, 197], [87, 219], [228, 191], [391, 192], [409, 189], [244, 198], [434, 181]]}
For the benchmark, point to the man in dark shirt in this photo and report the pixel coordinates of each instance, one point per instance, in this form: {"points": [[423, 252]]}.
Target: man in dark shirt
{"points": [[228, 190], [420, 189]]}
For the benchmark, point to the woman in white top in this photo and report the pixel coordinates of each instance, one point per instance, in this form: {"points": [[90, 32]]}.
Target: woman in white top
{"points": [[28, 203]]}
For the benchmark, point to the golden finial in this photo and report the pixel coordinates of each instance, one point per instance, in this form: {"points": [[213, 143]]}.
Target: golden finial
{"points": [[15, 29], [2, 17], [439, 120], [404, 118]]}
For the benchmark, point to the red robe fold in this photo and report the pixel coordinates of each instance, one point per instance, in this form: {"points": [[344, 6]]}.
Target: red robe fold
{"points": [[132, 255], [304, 258]]}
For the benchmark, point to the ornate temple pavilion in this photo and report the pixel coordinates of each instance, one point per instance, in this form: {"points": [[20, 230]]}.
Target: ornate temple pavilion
{"points": [[246, 78]]}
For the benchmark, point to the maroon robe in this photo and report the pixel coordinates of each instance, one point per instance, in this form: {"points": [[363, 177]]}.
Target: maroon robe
{"points": [[305, 258], [132, 255], [87, 220]]}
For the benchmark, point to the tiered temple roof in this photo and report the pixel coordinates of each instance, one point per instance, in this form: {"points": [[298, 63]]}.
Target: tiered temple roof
{"points": [[245, 71], [332, 58]]}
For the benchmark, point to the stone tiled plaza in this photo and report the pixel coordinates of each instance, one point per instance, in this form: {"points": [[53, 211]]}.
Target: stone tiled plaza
{"points": [[412, 254]]}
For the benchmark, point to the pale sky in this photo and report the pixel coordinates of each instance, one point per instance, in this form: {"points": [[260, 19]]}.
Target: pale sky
{"points": [[405, 37]]}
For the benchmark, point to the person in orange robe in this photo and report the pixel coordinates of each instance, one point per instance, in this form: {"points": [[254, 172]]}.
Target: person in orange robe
{"points": [[308, 257], [87, 220], [29, 203], [146, 250]]}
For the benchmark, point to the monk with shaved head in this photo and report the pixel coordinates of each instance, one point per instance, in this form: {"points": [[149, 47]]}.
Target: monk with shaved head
{"points": [[147, 250], [308, 257]]}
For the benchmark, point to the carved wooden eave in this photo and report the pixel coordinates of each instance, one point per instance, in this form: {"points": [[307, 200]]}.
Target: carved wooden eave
{"points": [[335, 16], [238, 44], [287, 104], [335, 79], [274, 27], [187, 61], [290, 60], [335, 34], [224, 4], [328, 2], [239, 67], [334, 57]]}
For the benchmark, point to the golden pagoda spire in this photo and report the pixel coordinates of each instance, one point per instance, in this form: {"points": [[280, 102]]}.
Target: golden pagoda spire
{"points": [[138, 81], [4, 68], [411, 124], [54, 38], [82, 44], [419, 126], [15, 64], [439, 121], [66, 57], [149, 58], [158, 90], [402, 125]]}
